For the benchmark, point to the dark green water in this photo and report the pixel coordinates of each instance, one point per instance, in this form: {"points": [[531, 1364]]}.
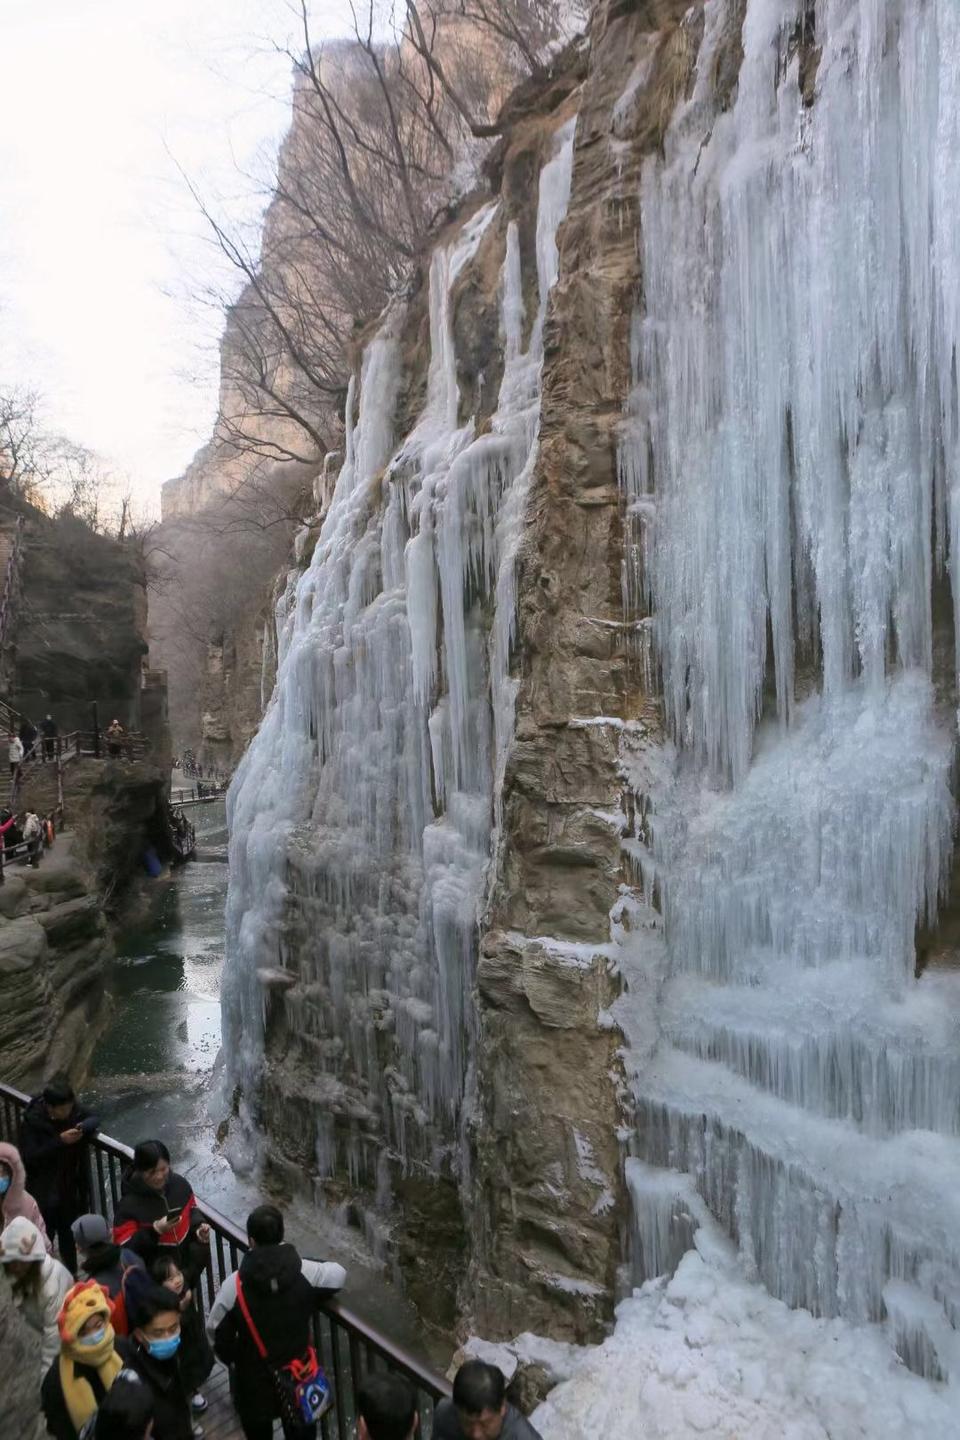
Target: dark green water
{"points": [[155, 1068]]}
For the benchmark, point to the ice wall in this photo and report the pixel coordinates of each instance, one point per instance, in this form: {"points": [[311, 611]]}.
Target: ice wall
{"points": [[790, 476], [363, 815]]}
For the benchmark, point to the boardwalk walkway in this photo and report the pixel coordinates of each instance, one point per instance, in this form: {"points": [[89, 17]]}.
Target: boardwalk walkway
{"points": [[219, 1421], [348, 1346]]}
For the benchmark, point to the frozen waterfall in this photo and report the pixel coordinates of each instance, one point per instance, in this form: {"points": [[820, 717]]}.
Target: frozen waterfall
{"points": [[791, 475], [363, 816]]}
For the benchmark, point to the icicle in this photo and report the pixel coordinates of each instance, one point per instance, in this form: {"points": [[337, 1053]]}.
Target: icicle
{"points": [[362, 815], [789, 465]]}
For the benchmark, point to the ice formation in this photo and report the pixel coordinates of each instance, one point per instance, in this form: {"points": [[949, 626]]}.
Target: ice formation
{"points": [[708, 1353], [791, 474], [362, 817]]}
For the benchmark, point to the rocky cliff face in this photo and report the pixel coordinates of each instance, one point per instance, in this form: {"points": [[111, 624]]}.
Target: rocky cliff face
{"points": [[79, 634], [404, 1075], [54, 921], [80, 626], [574, 872], [547, 1206], [53, 945]]}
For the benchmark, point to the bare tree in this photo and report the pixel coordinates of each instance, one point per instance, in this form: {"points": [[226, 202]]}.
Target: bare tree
{"points": [[381, 123], [25, 450]]}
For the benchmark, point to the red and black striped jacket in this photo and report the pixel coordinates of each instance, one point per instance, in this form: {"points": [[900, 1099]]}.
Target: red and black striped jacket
{"points": [[140, 1205]]}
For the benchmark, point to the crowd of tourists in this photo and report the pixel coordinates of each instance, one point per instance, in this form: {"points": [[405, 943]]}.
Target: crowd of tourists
{"points": [[32, 742], [35, 833], [38, 744], [124, 1350]]}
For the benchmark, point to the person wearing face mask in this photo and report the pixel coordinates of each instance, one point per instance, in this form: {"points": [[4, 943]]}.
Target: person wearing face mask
{"points": [[88, 1363], [157, 1211], [479, 1408], [153, 1353], [196, 1352], [39, 1284], [15, 1199]]}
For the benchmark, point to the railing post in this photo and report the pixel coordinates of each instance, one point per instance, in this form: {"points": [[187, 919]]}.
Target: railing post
{"points": [[355, 1347], [96, 730]]}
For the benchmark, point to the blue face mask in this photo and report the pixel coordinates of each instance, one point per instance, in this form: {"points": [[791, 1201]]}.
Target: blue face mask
{"points": [[164, 1349], [4, 1184], [95, 1339]]}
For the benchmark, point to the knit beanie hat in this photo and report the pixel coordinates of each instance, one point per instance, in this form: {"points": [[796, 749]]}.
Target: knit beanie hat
{"points": [[90, 1230]]}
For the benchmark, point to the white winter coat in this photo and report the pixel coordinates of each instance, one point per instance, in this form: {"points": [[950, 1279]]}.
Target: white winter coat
{"points": [[15, 751], [21, 1240]]}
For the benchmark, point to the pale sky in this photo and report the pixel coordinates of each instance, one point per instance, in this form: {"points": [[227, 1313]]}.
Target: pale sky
{"points": [[101, 248]]}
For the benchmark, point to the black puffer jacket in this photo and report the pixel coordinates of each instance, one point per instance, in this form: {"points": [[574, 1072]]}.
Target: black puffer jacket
{"points": [[171, 1402], [58, 1175], [140, 1205], [282, 1302]]}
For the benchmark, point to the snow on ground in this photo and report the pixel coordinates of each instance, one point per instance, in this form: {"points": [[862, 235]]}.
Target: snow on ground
{"points": [[708, 1352]]}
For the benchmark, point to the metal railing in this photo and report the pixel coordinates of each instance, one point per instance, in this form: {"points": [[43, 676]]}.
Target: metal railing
{"points": [[347, 1346], [183, 838], [200, 794]]}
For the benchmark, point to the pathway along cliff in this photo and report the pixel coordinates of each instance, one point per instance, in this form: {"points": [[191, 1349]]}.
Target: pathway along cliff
{"points": [[593, 896], [155, 1069]]}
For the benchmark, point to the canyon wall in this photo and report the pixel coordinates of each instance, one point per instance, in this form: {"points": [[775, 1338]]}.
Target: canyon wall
{"points": [[547, 1208], [78, 640], [419, 953], [592, 869], [79, 626]]}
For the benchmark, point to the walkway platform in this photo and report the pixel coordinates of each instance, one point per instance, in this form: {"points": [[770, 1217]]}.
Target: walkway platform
{"points": [[219, 1420], [347, 1346]]}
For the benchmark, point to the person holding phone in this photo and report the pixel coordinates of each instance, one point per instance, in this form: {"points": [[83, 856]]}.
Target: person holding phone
{"points": [[196, 1352], [55, 1135], [158, 1211]]}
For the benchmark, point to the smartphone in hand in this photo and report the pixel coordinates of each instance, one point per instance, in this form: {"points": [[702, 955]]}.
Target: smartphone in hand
{"points": [[173, 1215]]}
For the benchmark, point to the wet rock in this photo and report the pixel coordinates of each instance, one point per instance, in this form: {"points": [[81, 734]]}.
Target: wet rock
{"points": [[547, 1191], [13, 895]]}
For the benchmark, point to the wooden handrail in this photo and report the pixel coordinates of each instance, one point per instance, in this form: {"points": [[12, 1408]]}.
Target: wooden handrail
{"points": [[349, 1347]]}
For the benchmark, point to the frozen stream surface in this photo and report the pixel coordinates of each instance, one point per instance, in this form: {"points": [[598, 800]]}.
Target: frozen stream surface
{"points": [[154, 1068]]}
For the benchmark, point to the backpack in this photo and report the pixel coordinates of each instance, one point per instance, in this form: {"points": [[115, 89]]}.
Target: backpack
{"points": [[302, 1389]]}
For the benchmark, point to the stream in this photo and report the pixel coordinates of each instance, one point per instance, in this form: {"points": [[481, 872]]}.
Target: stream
{"points": [[155, 1067]]}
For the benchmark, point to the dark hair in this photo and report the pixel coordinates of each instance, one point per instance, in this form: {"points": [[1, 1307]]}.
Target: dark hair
{"points": [[58, 1091], [265, 1225], [478, 1387], [152, 1302], [160, 1267], [126, 1410], [388, 1405], [148, 1155]]}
